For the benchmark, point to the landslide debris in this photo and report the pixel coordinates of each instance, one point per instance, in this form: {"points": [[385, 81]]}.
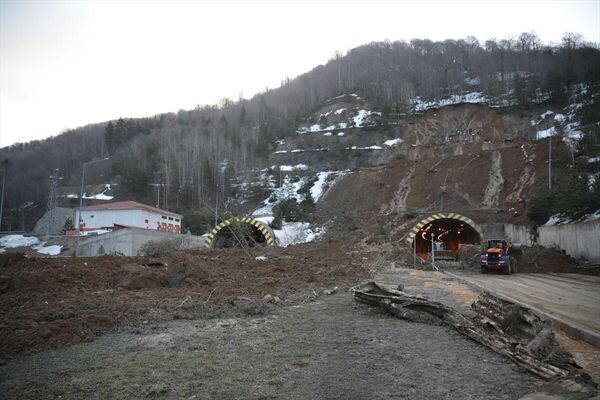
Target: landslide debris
{"points": [[52, 302]]}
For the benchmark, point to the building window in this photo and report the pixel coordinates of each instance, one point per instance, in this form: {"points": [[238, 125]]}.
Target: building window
{"points": [[163, 217], [146, 221], [91, 216], [176, 219], [170, 218]]}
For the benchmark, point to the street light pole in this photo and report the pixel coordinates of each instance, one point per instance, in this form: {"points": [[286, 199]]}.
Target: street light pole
{"points": [[81, 201]]}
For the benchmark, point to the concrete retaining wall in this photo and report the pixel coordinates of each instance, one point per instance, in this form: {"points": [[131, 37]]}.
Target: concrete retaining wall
{"points": [[128, 242], [518, 234], [577, 240]]}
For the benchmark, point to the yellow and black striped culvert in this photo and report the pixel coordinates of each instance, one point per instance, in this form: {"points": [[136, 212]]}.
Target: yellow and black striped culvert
{"points": [[262, 228]]}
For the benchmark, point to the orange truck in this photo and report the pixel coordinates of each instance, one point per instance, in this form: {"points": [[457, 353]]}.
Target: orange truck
{"points": [[498, 257]]}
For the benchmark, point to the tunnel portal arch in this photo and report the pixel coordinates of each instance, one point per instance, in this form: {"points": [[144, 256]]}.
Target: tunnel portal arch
{"points": [[260, 232], [452, 229]]}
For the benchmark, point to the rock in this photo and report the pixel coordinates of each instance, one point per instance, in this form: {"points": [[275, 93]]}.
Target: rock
{"points": [[188, 304], [88, 338], [329, 292], [276, 300], [268, 298]]}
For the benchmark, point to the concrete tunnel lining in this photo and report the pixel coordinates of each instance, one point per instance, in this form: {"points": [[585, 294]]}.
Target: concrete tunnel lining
{"points": [[450, 228], [263, 233]]}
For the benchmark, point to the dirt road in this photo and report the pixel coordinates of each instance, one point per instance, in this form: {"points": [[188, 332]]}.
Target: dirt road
{"points": [[328, 349], [572, 299]]}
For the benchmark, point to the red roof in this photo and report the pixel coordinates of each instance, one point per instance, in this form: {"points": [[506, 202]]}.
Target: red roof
{"points": [[129, 205]]}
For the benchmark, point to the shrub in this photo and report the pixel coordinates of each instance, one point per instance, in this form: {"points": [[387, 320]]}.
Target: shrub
{"points": [[157, 248]]}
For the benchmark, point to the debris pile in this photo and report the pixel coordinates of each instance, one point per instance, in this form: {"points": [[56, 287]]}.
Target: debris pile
{"points": [[506, 328]]}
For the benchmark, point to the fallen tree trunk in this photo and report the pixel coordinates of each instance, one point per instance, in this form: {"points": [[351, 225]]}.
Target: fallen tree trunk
{"points": [[506, 328]]}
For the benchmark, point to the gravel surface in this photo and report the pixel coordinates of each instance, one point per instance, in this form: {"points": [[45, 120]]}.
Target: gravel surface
{"points": [[328, 349]]}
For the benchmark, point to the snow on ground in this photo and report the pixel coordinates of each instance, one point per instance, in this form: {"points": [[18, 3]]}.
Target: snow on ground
{"points": [[547, 113], [13, 241], [265, 220], [296, 232], [288, 190], [339, 111], [327, 134], [593, 178], [472, 81], [393, 142], [362, 116], [545, 133], [472, 97], [99, 196], [319, 187], [261, 258], [559, 118], [593, 159], [287, 168], [365, 148], [280, 152], [341, 134], [558, 219], [49, 250], [94, 232]]}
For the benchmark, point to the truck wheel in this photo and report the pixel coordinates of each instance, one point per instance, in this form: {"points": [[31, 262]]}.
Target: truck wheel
{"points": [[484, 270]]}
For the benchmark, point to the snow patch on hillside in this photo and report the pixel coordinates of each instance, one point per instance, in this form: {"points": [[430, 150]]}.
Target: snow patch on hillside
{"points": [[546, 133], [362, 116], [419, 105], [393, 142], [288, 168], [365, 148], [99, 196], [324, 182], [296, 232], [288, 190]]}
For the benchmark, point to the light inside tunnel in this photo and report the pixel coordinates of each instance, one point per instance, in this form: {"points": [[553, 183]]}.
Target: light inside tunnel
{"points": [[449, 233]]}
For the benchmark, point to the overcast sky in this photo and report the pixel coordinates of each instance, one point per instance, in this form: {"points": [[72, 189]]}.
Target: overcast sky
{"points": [[64, 64]]}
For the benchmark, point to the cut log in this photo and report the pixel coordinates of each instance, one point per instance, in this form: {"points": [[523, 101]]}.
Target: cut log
{"points": [[507, 328]]}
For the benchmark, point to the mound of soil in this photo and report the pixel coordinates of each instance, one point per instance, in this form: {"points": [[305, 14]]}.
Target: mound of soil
{"points": [[51, 302]]}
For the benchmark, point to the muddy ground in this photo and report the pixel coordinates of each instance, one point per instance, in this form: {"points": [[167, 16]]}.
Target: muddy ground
{"points": [[322, 349], [52, 302]]}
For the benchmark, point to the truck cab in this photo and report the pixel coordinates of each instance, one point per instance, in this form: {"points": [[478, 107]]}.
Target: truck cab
{"points": [[497, 257]]}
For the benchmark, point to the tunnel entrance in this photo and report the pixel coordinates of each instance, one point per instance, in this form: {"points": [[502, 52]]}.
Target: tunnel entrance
{"points": [[450, 231], [248, 231]]}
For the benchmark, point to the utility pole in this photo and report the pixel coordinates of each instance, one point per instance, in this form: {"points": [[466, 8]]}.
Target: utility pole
{"points": [[444, 187], [432, 249], [2, 196], [216, 204], [550, 164], [52, 201]]}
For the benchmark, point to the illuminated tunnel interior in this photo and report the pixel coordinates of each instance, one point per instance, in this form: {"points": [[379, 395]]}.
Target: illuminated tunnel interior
{"points": [[225, 237], [451, 233]]}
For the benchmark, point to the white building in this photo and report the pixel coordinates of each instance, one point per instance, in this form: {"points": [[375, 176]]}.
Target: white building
{"points": [[128, 214]]}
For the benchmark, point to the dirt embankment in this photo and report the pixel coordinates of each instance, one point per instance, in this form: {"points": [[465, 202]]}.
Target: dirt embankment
{"points": [[53, 302]]}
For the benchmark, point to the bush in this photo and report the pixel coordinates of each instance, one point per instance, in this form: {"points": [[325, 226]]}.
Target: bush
{"points": [[159, 248], [197, 222], [572, 199]]}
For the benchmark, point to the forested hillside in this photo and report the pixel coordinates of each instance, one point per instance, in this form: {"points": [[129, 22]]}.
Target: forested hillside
{"points": [[188, 154]]}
